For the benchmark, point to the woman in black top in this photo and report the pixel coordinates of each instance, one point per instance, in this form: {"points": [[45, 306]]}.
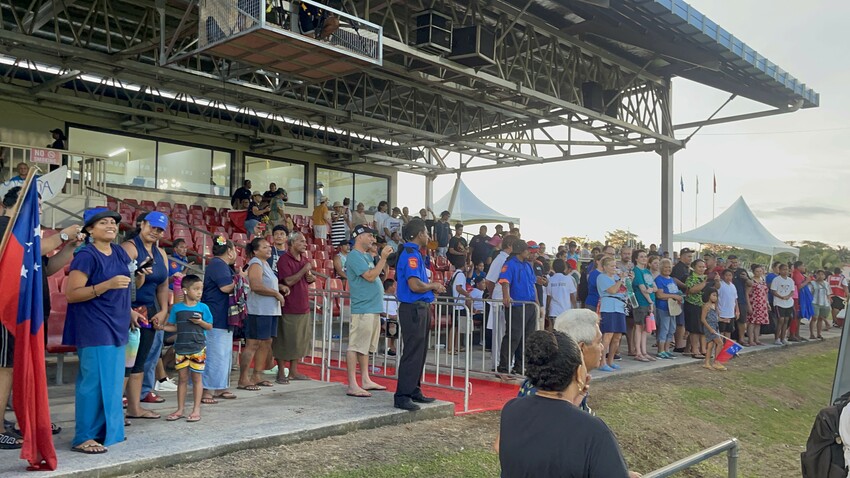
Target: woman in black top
{"points": [[547, 434]]}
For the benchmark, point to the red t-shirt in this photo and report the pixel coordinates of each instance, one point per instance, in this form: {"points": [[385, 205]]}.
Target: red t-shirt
{"points": [[836, 283], [297, 301]]}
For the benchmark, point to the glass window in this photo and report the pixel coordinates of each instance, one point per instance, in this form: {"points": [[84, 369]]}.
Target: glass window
{"points": [[370, 190], [287, 175], [365, 188], [184, 168], [221, 173], [132, 161]]}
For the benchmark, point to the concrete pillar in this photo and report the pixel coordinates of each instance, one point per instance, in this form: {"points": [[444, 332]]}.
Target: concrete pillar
{"points": [[429, 191]]}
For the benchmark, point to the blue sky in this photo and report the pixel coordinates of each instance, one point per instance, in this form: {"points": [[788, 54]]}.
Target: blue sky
{"points": [[791, 169]]}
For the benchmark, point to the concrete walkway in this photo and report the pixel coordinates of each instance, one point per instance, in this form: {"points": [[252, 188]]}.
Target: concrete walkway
{"points": [[273, 416]]}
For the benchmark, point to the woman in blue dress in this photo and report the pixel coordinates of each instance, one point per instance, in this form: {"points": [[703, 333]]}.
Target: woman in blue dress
{"points": [[97, 323]]}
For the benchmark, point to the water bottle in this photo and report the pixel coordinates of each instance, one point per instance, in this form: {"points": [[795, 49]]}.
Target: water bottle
{"points": [[374, 369]]}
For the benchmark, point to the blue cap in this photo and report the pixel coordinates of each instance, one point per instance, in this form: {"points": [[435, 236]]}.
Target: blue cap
{"points": [[93, 215], [157, 219]]}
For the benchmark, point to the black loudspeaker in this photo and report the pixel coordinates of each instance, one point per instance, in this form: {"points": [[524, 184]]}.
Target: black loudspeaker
{"points": [[612, 103], [433, 32], [595, 98], [473, 46]]}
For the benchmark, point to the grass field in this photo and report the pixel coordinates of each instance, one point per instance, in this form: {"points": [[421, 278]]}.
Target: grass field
{"points": [[766, 400]]}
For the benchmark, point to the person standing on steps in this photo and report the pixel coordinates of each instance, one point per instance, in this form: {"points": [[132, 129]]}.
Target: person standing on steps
{"points": [[415, 295]]}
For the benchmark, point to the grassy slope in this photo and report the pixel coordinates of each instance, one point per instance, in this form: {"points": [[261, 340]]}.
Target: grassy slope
{"points": [[767, 401]]}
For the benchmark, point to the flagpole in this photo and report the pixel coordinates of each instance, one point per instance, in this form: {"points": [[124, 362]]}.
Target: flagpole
{"points": [[713, 193]]}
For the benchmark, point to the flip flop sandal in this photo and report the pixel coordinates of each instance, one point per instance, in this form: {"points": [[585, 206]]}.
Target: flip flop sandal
{"points": [[282, 381], [265, 383], [193, 418], [174, 417], [359, 395], [87, 449], [10, 442], [375, 388], [208, 400], [226, 396], [300, 377], [251, 388], [719, 367], [709, 367], [149, 415]]}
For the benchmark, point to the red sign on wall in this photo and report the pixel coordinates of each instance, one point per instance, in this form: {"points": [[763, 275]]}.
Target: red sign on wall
{"points": [[45, 156]]}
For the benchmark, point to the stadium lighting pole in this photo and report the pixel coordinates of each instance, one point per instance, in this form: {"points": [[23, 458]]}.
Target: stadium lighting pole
{"points": [[667, 182]]}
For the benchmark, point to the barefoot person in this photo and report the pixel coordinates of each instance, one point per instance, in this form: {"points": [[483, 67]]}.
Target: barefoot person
{"points": [[190, 320], [367, 304]]}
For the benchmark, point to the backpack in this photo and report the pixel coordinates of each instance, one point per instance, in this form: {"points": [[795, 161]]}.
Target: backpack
{"points": [[449, 292], [824, 455], [581, 292]]}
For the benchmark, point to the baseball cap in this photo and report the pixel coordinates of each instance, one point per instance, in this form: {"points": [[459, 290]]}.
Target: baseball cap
{"points": [[572, 263], [686, 251], [533, 245], [157, 219], [361, 229]]}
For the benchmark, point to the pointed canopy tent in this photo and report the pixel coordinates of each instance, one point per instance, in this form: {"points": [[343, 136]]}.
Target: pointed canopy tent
{"points": [[737, 227], [466, 208]]}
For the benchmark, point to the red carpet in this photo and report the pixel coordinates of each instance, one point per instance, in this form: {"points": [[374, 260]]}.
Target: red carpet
{"points": [[484, 394]]}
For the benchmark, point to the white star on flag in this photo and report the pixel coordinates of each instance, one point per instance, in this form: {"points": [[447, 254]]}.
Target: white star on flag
{"points": [[29, 246], [24, 270], [37, 231], [36, 267]]}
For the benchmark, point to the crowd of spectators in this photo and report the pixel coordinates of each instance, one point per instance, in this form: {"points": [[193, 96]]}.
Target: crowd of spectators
{"points": [[129, 298]]}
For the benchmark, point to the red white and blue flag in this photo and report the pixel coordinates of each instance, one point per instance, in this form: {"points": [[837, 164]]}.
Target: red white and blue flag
{"points": [[730, 349], [22, 313]]}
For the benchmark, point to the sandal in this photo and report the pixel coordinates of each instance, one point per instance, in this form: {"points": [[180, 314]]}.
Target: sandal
{"points": [[717, 366], [146, 415], [174, 417], [699, 356], [87, 449], [208, 400], [706, 366], [264, 383], [282, 381], [193, 418], [226, 395], [54, 429], [251, 388], [9, 441], [300, 376]]}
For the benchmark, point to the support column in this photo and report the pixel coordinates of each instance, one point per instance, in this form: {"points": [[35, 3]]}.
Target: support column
{"points": [[667, 191], [429, 191], [667, 173]]}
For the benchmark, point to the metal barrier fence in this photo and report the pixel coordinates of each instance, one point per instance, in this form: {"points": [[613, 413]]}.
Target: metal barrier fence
{"points": [[730, 447], [449, 364], [85, 171]]}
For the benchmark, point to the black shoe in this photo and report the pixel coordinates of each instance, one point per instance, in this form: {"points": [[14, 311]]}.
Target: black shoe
{"points": [[679, 350], [391, 352], [502, 370], [406, 404], [617, 357], [423, 399]]}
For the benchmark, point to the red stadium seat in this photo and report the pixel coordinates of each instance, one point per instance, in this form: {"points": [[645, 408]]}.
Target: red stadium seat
{"points": [[328, 264], [55, 329], [147, 204], [321, 255]]}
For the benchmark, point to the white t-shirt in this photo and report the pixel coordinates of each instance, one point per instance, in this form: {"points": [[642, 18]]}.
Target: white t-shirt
{"points": [[460, 280], [560, 288], [783, 287], [477, 300], [393, 224], [494, 271], [727, 297], [390, 306], [380, 222], [844, 432]]}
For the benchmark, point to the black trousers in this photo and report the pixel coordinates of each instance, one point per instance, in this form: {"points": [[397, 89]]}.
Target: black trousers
{"points": [[520, 319], [414, 320]]}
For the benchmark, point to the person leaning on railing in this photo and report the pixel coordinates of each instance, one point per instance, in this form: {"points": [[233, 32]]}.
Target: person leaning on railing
{"points": [[547, 434]]}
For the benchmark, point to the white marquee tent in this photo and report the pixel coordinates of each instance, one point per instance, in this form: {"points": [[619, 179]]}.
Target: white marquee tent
{"points": [[737, 227], [465, 207]]}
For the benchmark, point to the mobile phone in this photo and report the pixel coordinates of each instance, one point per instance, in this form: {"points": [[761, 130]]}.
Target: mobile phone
{"points": [[144, 265]]}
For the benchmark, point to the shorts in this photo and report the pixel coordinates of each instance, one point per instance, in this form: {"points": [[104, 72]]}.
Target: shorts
{"points": [[727, 327], [260, 327], [784, 312], [693, 318], [742, 310], [613, 323], [680, 320], [196, 361], [837, 303], [822, 311], [641, 313], [363, 333], [7, 348]]}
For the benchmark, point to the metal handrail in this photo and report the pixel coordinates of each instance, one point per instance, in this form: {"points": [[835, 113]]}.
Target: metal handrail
{"points": [[730, 447]]}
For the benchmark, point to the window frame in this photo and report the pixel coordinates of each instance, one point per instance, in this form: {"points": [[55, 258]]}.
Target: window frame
{"points": [[353, 172], [303, 164], [157, 140]]}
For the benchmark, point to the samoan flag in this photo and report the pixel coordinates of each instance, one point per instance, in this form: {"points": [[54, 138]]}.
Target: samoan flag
{"points": [[730, 349], [21, 283]]}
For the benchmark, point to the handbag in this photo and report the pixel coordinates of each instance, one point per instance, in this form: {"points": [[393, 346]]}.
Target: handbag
{"points": [[650, 323], [674, 307], [237, 310], [132, 349]]}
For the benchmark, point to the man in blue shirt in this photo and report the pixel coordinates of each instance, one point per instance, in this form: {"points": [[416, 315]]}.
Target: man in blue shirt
{"points": [[367, 304], [518, 285], [414, 294]]}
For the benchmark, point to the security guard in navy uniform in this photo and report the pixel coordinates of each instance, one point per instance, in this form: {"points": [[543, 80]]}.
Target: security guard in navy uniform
{"points": [[415, 295]]}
